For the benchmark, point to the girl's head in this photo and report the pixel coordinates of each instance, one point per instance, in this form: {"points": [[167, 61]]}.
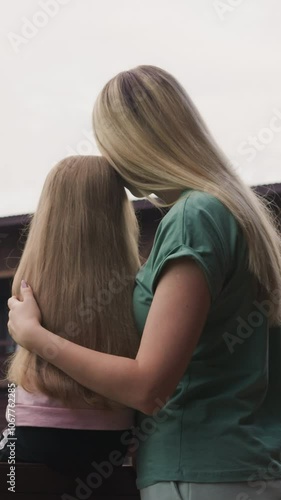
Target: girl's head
{"points": [[80, 258], [150, 131]]}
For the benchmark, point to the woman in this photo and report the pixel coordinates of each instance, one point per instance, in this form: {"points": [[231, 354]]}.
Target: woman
{"points": [[207, 370], [82, 251]]}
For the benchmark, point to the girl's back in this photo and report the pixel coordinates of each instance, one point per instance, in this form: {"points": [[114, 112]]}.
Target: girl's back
{"points": [[81, 253]]}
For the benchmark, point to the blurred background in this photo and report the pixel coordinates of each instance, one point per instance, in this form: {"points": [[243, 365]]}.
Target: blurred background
{"points": [[57, 54]]}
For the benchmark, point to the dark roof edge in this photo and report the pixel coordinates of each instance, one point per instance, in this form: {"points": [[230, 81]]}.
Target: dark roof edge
{"points": [[21, 220], [267, 188], [15, 220], [143, 204]]}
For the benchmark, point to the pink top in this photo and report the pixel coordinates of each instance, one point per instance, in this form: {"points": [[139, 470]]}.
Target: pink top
{"points": [[39, 410]]}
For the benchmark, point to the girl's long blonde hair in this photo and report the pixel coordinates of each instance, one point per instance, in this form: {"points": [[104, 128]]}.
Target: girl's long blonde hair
{"points": [[148, 128], [80, 258]]}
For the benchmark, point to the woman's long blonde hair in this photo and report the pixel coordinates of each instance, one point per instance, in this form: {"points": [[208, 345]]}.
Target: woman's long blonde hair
{"points": [[150, 131], [80, 258]]}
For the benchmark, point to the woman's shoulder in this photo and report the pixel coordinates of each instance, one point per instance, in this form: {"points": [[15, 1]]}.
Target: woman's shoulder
{"points": [[202, 200], [201, 219], [200, 206]]}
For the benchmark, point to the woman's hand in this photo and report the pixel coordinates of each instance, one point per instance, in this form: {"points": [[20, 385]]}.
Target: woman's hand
{"points": [[24, 317]]}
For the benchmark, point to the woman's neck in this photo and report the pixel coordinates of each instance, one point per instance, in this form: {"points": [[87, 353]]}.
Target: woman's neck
{"points": [[170, 196]]}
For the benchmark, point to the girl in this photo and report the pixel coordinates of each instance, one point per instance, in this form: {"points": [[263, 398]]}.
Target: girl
{"points": [[206, 378], [81, 251]]}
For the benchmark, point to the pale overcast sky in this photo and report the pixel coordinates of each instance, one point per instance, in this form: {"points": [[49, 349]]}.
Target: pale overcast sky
{"points": [[226, 54]]}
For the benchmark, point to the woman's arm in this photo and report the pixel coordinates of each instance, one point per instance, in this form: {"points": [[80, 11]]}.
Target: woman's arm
{"points": [[175, 321]]}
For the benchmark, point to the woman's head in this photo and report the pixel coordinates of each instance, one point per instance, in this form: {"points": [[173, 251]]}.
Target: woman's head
{"points": [[150, 131], [80, 258]]}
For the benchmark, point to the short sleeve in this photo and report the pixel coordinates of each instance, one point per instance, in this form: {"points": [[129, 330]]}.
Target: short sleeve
{"points": [[203, 229]]}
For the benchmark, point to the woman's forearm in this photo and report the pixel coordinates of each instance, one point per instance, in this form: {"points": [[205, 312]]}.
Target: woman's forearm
{"points": [[115, 377], [172, 330]]}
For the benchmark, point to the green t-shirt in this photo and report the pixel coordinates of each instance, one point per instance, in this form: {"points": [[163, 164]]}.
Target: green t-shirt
{"points": [[223, 423]]}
